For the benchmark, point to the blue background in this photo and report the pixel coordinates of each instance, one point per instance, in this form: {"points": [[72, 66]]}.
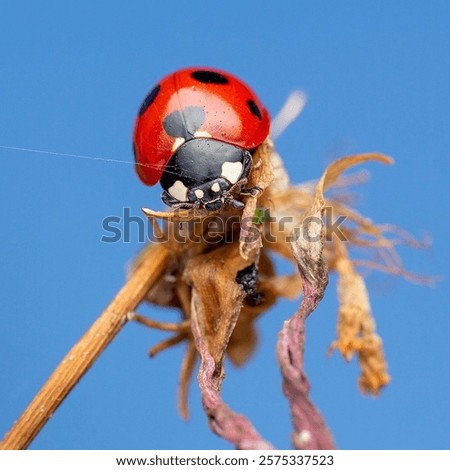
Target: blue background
{"points": [[73, 75]]}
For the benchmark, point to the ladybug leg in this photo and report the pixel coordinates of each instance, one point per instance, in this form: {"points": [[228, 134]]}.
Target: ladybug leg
{"points": [[253, 192], [176, 204], [238, 187], [237, 204], [186, 205]]}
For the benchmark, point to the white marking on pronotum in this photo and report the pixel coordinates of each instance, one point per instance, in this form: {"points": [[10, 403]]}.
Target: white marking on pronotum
{"points": [[179, 191], [231, 171], [215, 187], [177, 143], [199, 193]]}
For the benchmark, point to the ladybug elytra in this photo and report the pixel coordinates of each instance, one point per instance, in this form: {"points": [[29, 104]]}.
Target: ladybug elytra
{"points": [[195, 134]]}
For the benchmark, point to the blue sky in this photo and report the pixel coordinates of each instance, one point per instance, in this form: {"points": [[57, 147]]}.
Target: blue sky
{"points": [[73, 76]]}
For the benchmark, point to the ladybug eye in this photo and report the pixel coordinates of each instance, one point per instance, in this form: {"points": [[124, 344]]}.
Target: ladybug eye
{"points": [[149, 99], [253, 107], [206, 76]]}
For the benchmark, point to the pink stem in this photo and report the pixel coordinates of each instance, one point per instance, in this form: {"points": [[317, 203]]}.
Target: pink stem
{"points": [[310, 430], [223, 421]]}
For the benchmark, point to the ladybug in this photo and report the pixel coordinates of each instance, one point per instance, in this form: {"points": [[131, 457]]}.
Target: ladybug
{"points": [[195, 133]]}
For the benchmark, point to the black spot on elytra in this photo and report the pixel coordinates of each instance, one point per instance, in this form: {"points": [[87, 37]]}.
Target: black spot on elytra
{"points": [[149, 99], [206, 76], [253, 107], [135, 153], [184, 123]]}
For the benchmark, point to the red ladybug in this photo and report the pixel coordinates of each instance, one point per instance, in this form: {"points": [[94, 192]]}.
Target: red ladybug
{"points": [[195, 133]]}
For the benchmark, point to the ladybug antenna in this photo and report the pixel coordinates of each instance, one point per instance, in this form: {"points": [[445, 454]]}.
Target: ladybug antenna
{"points": [[291, 109]]}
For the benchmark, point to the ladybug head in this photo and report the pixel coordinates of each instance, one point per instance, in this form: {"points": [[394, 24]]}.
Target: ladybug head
{"points": [[205, 173]]}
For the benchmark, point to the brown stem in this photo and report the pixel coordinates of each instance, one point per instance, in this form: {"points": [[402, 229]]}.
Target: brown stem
{"points": [[83, 355], [187, 369], [158, 325], [167, 343]]}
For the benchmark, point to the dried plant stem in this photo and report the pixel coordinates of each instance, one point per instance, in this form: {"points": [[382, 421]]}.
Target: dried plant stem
{"points": [[310, 429], [83, 355], [233, 427], [309, 426]]}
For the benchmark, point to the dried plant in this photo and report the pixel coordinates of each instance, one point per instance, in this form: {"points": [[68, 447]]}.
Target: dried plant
{"points": [[222, 278], [218, 271]]}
